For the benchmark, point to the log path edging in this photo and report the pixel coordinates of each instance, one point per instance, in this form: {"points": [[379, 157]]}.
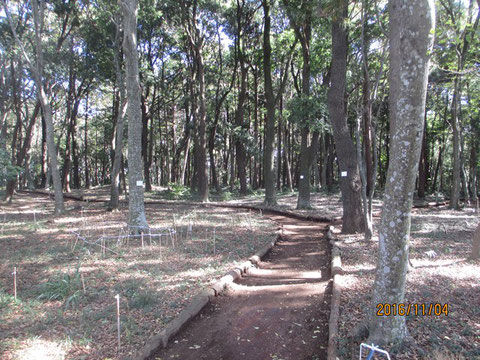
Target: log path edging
{"points": [[336, 273]]}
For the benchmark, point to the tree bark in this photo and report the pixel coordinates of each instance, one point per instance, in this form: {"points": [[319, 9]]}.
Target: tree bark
{"points": [[136, 206], [271, 101], [350, 183], [202, 116], [196, 43], [47, 111], [240, 151], [411, 40], [37, 72], [476, 244], [455, 190], [304, 34], [85, 146], [423, 166], [117, 159], [67, 159], [268, 168]]}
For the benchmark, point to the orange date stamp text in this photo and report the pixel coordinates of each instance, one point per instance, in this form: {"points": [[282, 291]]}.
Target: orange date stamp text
{"points": [[422, 309]]}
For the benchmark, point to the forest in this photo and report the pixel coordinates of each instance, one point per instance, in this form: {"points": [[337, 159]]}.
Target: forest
{"points": [[148, 147]]}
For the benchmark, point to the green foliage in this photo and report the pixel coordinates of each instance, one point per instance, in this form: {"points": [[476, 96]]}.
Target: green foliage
{"points": [[8, 171], [6, 300], [63, 287], [177, 192], [226, 196], [308, 111], [143, 300]]}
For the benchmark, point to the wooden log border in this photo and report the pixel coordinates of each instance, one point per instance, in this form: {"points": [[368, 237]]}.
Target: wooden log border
{"points": [[336, 272]]}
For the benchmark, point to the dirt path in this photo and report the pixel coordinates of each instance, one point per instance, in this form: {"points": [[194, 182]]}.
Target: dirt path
{"points": [[278, 311]]}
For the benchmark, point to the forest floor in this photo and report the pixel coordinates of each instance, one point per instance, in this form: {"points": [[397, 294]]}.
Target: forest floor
{"points": [[66, 285], [87, 328], [441, 242]]}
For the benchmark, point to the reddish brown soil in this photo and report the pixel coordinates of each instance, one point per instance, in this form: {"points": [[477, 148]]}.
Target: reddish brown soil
{"points": [[278, 311]]}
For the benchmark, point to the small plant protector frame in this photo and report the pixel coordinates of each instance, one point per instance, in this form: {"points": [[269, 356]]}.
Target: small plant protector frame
{"points": [[372, 349]]}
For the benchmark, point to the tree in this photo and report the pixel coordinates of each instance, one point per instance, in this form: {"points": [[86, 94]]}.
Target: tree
{"points": [[301, 17], [196, 41], [464, 37], [136, 206], [271, 101], [476, 244], [350, 185], [117, 160], [411, 39], [37, 71]]}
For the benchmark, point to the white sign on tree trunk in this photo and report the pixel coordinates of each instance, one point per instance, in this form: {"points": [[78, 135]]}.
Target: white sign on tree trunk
{"points": [[344, 174], [139, 183]]}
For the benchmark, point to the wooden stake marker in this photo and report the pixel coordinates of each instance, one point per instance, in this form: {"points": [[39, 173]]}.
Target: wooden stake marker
{"points": [[118, 319], [214, 249], [15, 282]]}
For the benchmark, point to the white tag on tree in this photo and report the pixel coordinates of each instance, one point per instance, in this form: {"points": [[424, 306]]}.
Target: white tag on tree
{"points": [[139, 183], [344, 174], [301, 176]]}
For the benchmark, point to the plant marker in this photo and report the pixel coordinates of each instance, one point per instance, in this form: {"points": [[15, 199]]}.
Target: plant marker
{"points": [[15, 282], [83, 283], [214, 250], [118, 319]]}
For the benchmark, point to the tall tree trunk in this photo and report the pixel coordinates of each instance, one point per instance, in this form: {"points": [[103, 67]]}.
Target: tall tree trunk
{"points": [[44, 165], [268, 168], [474, 167], [350, 184], [411, 40], [146, 116], [69, 121], [85, 146], [37, 72], [76, 170], [286, 154], [306, 156], [202, 116], [455, 190], [12, 182], [196, 42], [423, 166], [467, 37], [117, 159], [476, 244], [241, 155], [367, 130], [47, 111], [136, 206], [363, 175]]}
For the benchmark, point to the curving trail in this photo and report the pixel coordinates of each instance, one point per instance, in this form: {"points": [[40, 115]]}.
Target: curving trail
{"points": [[277, 311]]}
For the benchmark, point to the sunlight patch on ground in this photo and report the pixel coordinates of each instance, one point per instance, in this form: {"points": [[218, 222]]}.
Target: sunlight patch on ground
{"points": [[39, 349]]}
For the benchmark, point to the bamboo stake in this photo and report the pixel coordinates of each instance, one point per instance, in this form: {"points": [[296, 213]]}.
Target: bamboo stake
{"points": [[15, 282], [214, 240], [118, 319], [83, 283]]}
